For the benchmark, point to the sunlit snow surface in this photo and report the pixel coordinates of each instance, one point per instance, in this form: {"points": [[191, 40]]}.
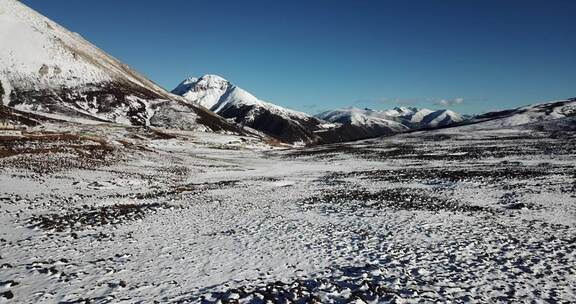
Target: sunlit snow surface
{"points": [[216, 93], [125, 215]]}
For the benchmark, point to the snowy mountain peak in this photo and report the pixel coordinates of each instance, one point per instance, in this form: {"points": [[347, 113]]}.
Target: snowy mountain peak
{"points": [[213, 92], [206, 81], [210, 82], [205, 91], [189, 81], [229, 101]]}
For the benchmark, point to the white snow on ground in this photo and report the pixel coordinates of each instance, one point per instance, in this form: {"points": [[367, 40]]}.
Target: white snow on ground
{"points": [[6, 88], [443, 216]]}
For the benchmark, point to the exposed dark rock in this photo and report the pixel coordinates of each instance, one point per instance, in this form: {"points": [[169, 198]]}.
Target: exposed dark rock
{"points": [[7, 295]]}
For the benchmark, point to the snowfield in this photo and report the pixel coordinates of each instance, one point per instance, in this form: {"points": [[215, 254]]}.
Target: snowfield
{"points": [[113, 190], [116, 214]]}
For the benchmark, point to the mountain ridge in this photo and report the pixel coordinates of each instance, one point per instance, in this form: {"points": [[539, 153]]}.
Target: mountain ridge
{"points": [[403, 118], [234, 103], [46, 69]]}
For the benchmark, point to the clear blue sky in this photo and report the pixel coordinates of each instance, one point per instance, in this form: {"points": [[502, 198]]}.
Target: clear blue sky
{"points": [[322, 54]]}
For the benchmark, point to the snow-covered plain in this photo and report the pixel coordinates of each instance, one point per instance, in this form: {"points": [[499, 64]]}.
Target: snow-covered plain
{"points": [[116, 214]]}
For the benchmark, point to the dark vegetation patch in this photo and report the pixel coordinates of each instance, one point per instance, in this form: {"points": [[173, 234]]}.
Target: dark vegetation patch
{"points": [[186, 188], [19, 118], [267, 179], [106, 97], [177, 171], [437, 147], [363, 152], [147, 133], [47, 152], [333, 179], [488, 174], [93, 217], [189, 188], [103, 299], [404, 151], [396, 198]]}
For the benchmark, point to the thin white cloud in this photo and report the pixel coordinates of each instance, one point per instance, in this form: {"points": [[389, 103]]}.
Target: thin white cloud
{"points": [[450, 102], [390, 101]]}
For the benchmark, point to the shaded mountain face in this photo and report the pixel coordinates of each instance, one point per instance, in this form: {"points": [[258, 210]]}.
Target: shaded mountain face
{"points": [[46, 69], [399, 119], [439, 118]]}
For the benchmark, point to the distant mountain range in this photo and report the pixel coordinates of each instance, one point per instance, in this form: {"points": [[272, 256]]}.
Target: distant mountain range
{"points": [[229, 101], [537, 117], [48, 73], [399, 118]]}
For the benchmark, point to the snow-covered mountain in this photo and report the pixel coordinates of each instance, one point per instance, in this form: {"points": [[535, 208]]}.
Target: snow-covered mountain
{"points": [[46, 69], [440, 118], [224, 98], [205, 91], [398, 119], [231, 102], [529, 116], [365, 118]]}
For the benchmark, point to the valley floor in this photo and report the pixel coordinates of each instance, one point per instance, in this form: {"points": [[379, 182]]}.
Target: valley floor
{"points": [[122, 215]]}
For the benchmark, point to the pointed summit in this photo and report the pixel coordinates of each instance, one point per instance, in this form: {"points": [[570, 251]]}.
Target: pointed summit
{"points": [[229, 101], [204, 91]]}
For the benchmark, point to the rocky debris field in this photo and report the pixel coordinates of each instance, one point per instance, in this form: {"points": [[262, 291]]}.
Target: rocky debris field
{"points": [[98, 215]]}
